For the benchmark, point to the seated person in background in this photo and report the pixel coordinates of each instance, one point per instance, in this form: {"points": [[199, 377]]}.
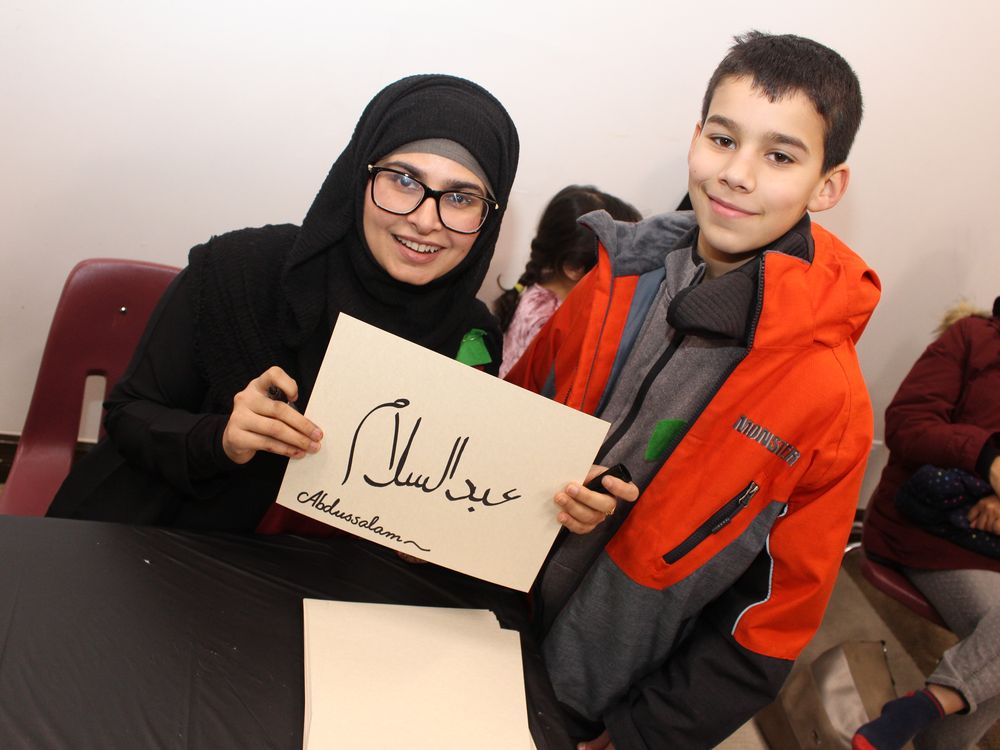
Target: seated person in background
{"points": [[946, 413], [194, 439], [720, 345], [561, 253]]}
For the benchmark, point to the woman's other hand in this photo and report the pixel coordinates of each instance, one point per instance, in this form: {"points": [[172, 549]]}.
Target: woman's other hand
{"points": [[598, 743], [260, 423], [582, 510], [985, 515]]}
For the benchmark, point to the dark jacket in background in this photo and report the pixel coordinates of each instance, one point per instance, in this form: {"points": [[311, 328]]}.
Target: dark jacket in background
{"points": [[946, 413]]}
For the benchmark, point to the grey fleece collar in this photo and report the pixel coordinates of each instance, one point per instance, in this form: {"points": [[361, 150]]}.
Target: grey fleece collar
{"points": [[717, 308], [725, 307]]}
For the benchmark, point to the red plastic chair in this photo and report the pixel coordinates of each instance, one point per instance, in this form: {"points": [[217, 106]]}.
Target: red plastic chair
{"points": [[99, 319], [897, 586]]}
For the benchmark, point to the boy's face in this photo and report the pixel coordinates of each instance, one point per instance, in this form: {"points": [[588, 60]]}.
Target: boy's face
{"points": [[754, 169]]}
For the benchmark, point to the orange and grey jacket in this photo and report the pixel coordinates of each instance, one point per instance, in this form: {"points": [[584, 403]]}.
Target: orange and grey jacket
{"points": [[692, 615]]}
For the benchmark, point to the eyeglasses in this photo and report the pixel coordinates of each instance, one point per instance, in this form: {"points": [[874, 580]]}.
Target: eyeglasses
{"points": [[399, 193]]}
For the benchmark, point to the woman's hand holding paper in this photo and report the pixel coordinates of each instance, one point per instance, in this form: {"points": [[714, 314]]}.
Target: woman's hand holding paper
{"points": [[261, 420]]}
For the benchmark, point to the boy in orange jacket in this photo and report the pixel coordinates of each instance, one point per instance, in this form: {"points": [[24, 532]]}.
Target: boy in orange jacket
{"points": [[720, 345]]}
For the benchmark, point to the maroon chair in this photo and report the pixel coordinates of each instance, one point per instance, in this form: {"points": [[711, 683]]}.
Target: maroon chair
{"points": [[99, 319], [897, 586]]}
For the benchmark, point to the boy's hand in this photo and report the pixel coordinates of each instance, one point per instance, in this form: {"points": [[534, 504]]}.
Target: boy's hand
{"points": [[985, 515], [582, 510], [261, 423]]}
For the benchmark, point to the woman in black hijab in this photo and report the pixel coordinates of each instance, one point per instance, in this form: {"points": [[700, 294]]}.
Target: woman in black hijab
{"points": [[400, 235], [194, 439]]}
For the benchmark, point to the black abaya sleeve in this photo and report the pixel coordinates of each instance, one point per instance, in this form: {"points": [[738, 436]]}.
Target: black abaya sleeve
{"points": [[154, 414]]}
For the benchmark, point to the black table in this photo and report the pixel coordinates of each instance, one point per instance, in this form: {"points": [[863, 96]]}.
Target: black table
{"points": [[116, 636]]}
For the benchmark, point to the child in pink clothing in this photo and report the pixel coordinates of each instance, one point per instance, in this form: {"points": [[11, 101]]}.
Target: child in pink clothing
{"points": [[561, 253]]}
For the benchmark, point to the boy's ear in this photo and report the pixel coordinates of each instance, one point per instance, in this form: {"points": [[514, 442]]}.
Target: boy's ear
{"points": [[830, 188], [697, 132]]}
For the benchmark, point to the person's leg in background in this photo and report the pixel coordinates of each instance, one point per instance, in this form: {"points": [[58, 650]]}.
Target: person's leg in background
{"points": [[969, 602]]}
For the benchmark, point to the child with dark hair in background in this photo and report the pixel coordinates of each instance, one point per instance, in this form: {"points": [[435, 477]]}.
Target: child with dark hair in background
{"points": [[561, 253]]}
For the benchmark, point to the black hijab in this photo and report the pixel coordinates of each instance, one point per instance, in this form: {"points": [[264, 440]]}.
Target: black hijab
{"points": [[331, 246]]}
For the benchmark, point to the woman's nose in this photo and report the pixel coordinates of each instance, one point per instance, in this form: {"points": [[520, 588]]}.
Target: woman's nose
{"points": [[424, 217]]}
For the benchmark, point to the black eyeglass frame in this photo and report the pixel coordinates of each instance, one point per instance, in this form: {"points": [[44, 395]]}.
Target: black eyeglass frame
{"points": [[430, 192]]}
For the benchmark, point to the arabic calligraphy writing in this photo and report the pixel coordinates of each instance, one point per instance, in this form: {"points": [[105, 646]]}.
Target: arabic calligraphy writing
{"points": [[397, 473]]}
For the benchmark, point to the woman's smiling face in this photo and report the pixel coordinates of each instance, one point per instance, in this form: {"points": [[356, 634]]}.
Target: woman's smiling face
{"points": [[417, 248]]}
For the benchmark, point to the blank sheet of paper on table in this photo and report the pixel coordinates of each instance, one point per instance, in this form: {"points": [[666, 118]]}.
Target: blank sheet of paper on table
{"points": [[391, 676]]}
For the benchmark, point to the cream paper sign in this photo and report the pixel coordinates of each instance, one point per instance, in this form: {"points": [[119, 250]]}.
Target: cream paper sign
{"points": [[422, 678], [437, 459]]}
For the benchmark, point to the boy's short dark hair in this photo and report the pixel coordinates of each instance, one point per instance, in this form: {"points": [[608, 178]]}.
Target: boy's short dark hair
{"points": [[785, 64]]}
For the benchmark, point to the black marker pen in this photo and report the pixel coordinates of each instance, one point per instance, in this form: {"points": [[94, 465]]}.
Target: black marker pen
{"points": [[619, 471], [276, 394]]}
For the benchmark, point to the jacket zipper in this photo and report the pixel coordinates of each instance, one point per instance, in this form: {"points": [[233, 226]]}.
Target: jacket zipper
{"points": [[640, 396], [716, 522], [633, 412]]}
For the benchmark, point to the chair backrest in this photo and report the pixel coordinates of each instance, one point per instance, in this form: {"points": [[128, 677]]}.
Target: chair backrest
{"points": [[99, 319], [897, 586]]}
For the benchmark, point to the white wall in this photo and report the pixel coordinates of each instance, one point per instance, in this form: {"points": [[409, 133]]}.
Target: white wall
{"points": [[139, 129]]}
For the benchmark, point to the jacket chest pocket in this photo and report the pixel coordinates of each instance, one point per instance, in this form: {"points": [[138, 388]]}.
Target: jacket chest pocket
{"points": [[715, 523]]}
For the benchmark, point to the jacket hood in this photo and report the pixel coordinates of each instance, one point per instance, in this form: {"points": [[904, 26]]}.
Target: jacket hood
{"points": [[842, 290], [638, 247], [822, 291]]}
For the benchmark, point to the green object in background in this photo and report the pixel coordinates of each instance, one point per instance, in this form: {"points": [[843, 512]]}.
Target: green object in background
{"points": [[473, 349], [663, 434]]}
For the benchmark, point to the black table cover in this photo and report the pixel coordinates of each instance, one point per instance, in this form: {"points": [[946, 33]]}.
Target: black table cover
{"points": [[116, 636]]}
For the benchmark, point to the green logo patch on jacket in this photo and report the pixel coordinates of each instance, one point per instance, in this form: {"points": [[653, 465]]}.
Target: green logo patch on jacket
{"points": [[663, 435]]}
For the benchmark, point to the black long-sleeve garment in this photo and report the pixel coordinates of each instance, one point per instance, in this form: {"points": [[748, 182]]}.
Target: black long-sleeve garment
{"points": [[162, 462]]}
